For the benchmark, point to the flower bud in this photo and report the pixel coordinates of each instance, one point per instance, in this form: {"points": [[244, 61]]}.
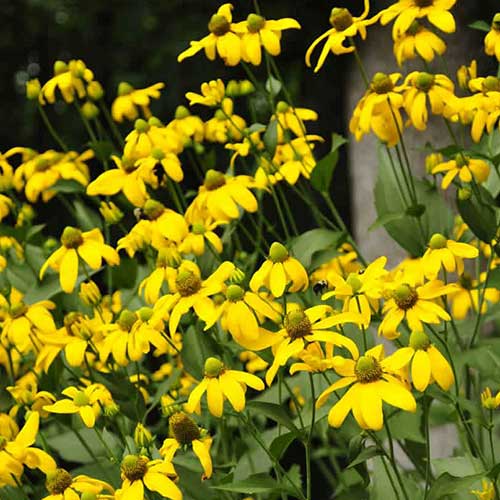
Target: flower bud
{"points": [[213, 367], [90, 110], [246, 87], [432, 161], [90, 294], [110, 212], [464, 193], [33, 89], [124, 88], [95, 90], [233, 88], [277, 252], [142, 437], [60, 67]]}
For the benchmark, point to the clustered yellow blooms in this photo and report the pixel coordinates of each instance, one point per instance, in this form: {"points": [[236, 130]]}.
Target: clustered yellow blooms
{"points": [[270, 318]]}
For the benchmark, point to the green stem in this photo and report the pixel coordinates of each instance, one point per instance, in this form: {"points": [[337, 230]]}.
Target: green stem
{"points": [[309, 440], [111, 123], [51, 129], [426, 409], [393, 461]]}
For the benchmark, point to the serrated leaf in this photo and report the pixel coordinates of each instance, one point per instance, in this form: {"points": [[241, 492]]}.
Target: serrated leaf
{"points": [[322, 174], [480, 25], [274, 412], [479, 214]]}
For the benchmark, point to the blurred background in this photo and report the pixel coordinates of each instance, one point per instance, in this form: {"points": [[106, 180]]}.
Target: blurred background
{"points": [[138, 41]]}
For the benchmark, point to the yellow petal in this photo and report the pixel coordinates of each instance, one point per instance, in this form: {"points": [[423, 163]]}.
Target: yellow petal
{"points": [[421, 370], [68, 272]]}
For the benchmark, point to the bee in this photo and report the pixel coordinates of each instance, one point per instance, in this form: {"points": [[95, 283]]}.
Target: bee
{"points": [[320, 286]]}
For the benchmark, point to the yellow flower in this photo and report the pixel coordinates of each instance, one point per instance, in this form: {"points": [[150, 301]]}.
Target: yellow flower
{"points": [[222, 40], [62, 486], [110, 212], [466, 73], [361, 291], [132, 336], [139, 473], [88, 246], [407, 11], [446, 253], [220, 384], [220, 197], [280, 271], [253, 362], [343, 264], [69, 78], [311, 325], [192, 292], [488, 401], [423, 88], [25, 393], [258, 31], [212, 93], [225, 126], [418, 40], [201, 234], [17, 451], [487, 491], [415, 304], [465, 167], [5, 206], [125, 105], [379, 110], [492, 39], [169, 163], [467, 296], [128, 177], [427, 363], [84, 401], [372, 383], [40, 172], [239, 315], [344, 26], [289, 118], [184, 432], [187, 125]]}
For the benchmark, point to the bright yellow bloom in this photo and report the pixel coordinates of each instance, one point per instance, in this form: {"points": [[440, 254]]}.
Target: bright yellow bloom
{"points": [[467, 296], [239, 315], [372, 382], [407, 11], [84, 401], [129, 99], [222, 40], [220, 197], [492, 39], [415, 304], [258, 31], [423, 89], [379, 110], [187, 125], [88, 246], [465, 167], [343, 264], [280, 273], [488, 401], [110, 212], [466, 73], [192, 292], [314, 359], [17, 451], [418, 40], [168, 162], [139, 473], [311, 325], [427, 363], [131, 337], [5, 206], [184, 432], [220, 384], [225, 126], [128, 177], [446, 253], [212, 93], [25, 393], [253, 362], [201, 234], [344, 26], [361, 291], [69, 78], [62, 486], [41, 171], [487, 491]]}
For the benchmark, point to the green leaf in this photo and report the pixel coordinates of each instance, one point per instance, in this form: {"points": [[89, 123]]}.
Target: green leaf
{"points": [[446, 484], [33, 231], [270, 137], [253, 485], [385, 219], [196, 348], [274, 412], [480, 25], [281, 443], [256, 127], [494, 278], [322, 174], [67, 186], [86, 217], [407, 426], [307, 244], [436, 218], [366, 454], [479, 214]]}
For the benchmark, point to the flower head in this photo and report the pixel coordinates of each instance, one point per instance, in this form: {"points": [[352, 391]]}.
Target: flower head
{"points": [[492, 39], [126, 104]]}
